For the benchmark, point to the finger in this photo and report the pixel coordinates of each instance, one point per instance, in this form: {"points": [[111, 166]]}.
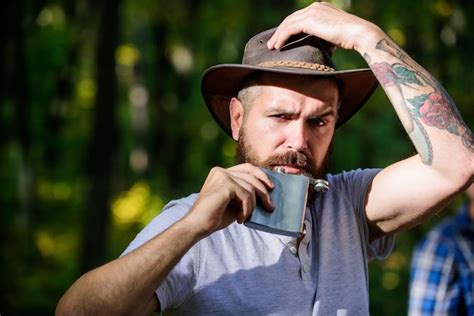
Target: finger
{"points": [[286, 33], [258, 189], [246, 199], [296, 25], [281, 26], [288, 20], [250, 188], [308, 20], [256, 171]]}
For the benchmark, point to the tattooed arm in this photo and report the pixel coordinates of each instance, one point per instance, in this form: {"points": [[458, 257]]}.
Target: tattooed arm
{"points": [[408, 191], [430, 106], [445, 160]]}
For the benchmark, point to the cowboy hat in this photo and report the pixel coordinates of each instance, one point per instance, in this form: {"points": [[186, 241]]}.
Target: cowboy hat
{"points": [[301, 55]]}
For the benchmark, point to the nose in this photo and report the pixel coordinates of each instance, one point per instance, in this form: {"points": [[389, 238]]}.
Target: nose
{"points": [[297, 136]]}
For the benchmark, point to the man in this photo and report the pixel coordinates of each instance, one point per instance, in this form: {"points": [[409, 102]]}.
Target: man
{"points": [[442, 274], [200, 261]]}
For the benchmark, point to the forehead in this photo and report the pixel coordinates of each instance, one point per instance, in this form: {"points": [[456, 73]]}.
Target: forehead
{"points": [[320, 88]]}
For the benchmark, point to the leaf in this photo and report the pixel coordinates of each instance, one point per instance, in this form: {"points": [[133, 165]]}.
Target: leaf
{"points": [[406, 76], [415, 112], [453, 129], [418, 101]]}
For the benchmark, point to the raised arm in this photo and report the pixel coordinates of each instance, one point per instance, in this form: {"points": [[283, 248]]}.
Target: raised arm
{"points": [[408, 191], [426, 183], [126, 286]]}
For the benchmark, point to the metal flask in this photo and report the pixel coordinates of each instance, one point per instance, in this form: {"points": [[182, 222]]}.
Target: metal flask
{"points": [[290, 197]]}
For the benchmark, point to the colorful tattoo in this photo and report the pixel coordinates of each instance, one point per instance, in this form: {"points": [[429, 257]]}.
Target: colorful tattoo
{"points": [[393, 50], [367, 58], [434, 109]]}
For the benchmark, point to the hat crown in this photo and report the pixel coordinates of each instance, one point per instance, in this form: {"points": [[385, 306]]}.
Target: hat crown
{"points": [[301, 48]]}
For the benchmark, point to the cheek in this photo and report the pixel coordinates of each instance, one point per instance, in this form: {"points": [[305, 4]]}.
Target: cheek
{"points": [[259, 127], [270, 135], [321, 143], [264, 137]]}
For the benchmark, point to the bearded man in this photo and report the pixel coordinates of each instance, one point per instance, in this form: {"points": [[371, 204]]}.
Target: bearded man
{"points": [[283, 105]]}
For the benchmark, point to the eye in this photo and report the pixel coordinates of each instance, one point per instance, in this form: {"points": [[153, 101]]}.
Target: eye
{"points": [[316, 121], [280, 116]]}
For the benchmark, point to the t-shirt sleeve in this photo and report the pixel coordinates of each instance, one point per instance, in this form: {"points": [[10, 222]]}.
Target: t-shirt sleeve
{"points": [[177, 286], [356, 185]]}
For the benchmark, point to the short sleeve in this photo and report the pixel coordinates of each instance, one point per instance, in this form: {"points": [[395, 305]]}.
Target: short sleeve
{"points": [[177, 285], [354, 186]]}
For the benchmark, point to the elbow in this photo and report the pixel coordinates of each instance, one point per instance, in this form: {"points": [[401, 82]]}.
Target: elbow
{"points": [[467, 175], [65, 307], [71, 303], [468, 183], [463, 181], [461, 175]]}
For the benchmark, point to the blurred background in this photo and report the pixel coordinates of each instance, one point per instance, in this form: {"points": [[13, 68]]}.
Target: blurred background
{"points": [[102, 123]]}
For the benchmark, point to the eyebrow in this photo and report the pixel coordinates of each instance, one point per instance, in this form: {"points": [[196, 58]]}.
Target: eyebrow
{"points": [[326, 112], [278, 109]]}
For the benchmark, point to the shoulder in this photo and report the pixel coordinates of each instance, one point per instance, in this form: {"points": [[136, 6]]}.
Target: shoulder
{"points": [[180, 206], [352, 177], [171, 213], [352, 185]]}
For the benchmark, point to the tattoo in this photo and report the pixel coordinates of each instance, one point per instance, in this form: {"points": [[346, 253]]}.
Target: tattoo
{"points": [[422, 143], [468, 139], [434, 109], [393, 50], [388, 47], [367, 58]]}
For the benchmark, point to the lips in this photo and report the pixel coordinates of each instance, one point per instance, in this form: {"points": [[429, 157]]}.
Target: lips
{"points": [[290, 169]]}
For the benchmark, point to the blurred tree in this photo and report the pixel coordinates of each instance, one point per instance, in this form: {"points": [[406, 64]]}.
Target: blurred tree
{"points": [[100, 158], [102, 122]]}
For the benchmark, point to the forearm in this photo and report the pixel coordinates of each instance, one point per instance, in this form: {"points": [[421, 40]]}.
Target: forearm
{"points": [[426, 111], [127, 284], [441, 138]]}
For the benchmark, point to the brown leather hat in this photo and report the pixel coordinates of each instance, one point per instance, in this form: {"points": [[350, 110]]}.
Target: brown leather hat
{"points": [[302, 55]]}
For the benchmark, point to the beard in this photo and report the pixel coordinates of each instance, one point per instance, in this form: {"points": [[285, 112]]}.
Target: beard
{"points": [[246, 154]]}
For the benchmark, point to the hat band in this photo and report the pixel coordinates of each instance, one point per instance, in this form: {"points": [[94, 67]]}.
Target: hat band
{"points": [[296, 64]]}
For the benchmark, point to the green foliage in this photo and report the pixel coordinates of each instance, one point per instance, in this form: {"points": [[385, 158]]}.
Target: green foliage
{"points": [[160, 140]]}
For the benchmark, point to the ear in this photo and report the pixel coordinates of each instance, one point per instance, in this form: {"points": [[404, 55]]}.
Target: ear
{"points": [[236, 111]]}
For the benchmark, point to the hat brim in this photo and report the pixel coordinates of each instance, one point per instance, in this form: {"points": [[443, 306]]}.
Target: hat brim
{"points": [[220, 83]]}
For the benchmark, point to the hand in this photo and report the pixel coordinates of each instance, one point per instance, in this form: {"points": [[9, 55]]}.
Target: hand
{"points": [[329, 23], [228, 195]]}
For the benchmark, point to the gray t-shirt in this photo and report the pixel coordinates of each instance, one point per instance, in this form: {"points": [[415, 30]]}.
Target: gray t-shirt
{"points": [[241, 271]]}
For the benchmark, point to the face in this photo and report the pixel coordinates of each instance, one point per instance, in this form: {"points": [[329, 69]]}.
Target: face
{"points": [[290, 124]]}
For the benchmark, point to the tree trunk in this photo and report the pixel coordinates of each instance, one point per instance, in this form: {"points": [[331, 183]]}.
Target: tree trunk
{"points": [[100, 158]]}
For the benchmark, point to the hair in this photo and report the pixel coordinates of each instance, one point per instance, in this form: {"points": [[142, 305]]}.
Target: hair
{"points": [[249, 90]]}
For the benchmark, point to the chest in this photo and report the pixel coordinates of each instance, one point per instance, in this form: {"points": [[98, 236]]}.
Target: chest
{"points": [[256, 276]]}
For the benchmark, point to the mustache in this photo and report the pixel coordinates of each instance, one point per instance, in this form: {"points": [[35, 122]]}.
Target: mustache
{"points": [[291, 158]]}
